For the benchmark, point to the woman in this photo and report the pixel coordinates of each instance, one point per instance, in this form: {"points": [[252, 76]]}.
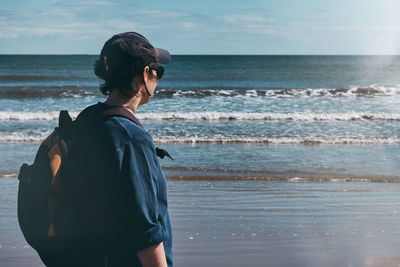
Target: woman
{"points": [[126, 199]]}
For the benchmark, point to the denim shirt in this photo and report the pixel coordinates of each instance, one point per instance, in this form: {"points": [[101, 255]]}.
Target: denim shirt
{"points": [[133, 189]]}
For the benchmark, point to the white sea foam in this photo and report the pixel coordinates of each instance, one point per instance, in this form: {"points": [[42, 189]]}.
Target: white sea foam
{"points": [[281, 140], [218, 116], [220, 139], [371, 90], [31, 116], [22, 137], [268, 116]]}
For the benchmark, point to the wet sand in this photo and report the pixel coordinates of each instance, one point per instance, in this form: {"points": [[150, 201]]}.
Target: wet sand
{"points": [[259, 223]]}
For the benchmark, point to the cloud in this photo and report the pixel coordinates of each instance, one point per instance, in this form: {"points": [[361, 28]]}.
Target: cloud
{"points": [[180, 26], [377, 28], [87, 3], [249, 23], [188, 25], [87, 18], [162, 14], [243, 18], [79, 20], [8, 35], [59, 23]]}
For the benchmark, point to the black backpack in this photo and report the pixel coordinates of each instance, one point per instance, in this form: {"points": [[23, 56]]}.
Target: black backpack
{"points": [[45, 225]]}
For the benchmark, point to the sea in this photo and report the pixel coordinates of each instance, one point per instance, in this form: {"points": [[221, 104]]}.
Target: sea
{"points": [[272, 154], [290, 118]]}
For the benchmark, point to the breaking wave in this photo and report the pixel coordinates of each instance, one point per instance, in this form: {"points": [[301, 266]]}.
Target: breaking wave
{"points": [[219, 116], [349, 91], [38, 136], [31, 116], [281, 140], [267, 116], [32, 91]]}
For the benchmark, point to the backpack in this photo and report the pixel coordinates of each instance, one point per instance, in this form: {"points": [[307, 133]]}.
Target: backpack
{"points": [[44, 221]]}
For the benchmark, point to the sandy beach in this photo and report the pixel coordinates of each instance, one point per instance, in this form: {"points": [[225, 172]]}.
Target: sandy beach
{"points": [[259, 223]]}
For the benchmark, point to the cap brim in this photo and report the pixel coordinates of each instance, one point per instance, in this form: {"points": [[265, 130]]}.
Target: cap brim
{"points": [[163, 56]]}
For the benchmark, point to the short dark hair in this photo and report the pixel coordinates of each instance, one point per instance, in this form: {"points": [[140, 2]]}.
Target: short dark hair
{"points": [[120, 79]]}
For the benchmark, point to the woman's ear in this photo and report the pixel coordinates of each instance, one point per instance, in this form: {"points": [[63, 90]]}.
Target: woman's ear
{"points": [[146, 73]]}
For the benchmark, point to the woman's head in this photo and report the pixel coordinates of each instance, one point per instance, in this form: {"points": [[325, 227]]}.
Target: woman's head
{"points": [[123, 61]]}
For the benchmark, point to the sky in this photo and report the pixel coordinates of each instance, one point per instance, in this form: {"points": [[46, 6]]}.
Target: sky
{"points": [[294, 27]]}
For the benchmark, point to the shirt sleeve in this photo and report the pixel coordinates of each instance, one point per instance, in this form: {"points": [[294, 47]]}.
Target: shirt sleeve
{"points": [[141, 174]]}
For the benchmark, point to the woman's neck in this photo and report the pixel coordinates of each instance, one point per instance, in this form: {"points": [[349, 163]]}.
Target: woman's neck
{"points": [[116, 99]]}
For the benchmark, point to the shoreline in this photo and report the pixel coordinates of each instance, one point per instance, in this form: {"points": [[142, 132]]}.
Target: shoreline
{"points": [[282, 179], [348, 179]]}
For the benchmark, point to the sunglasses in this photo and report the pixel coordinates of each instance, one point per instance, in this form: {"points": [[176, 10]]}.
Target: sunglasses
{"points": [[159, 70]]}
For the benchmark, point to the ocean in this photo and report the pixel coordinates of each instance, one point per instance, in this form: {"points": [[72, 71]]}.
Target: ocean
{"points": [[278, 160], [264, 117]]}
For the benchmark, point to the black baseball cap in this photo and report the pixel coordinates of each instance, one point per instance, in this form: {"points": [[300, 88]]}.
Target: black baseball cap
{"points": [[123, 49]]}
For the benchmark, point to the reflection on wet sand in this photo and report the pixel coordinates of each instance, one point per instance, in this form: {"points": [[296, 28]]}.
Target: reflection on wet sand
{"points": [[259, 223]]}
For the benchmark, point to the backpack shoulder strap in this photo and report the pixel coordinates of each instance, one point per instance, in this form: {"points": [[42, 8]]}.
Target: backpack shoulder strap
{"points": [[122, 112], [65, 125], [119, 112]]}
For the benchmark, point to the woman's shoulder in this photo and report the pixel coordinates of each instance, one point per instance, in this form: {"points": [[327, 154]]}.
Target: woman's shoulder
{"points": [[114, 130], [127, 131]]}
